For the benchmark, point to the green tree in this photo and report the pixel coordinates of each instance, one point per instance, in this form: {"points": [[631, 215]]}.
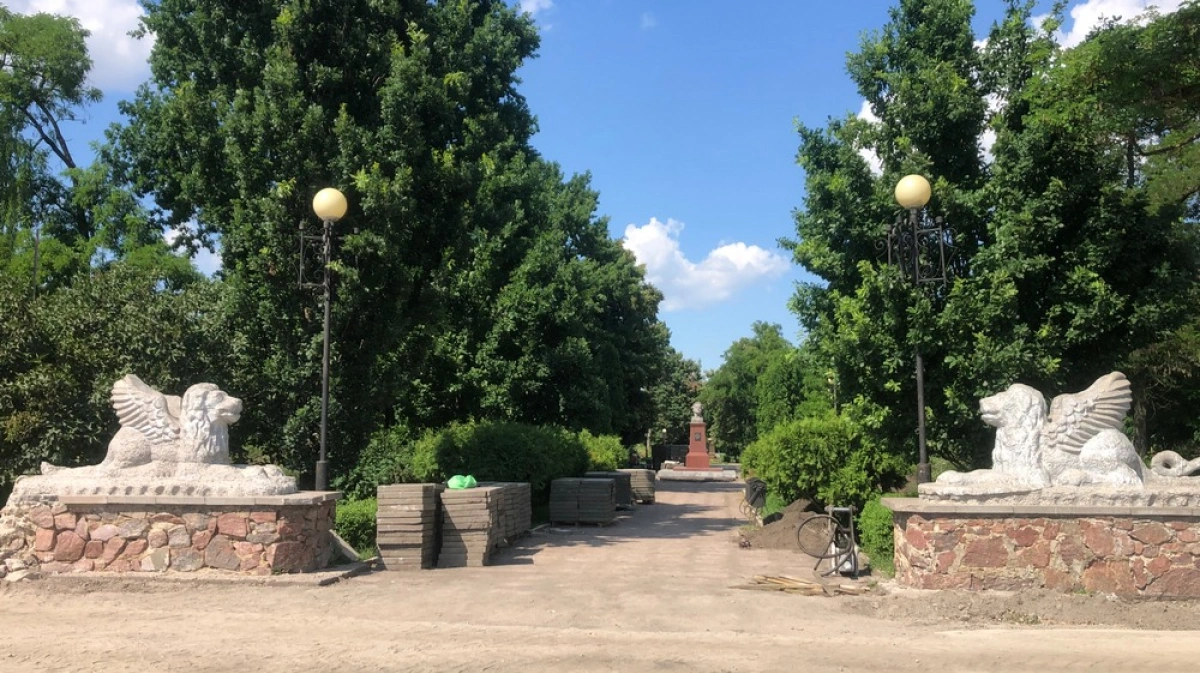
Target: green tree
{"points": [[61, 218], [1064, 269], [672, 398], [730, 395], [1144, 80], [61, 352], [473, 280], [795, 384]]}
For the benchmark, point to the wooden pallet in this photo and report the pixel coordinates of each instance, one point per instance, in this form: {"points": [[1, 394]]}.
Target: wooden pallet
{"points": [[792, 585]]}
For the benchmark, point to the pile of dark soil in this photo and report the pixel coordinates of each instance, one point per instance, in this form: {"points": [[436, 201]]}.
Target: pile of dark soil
{"points": [[779, 530]]}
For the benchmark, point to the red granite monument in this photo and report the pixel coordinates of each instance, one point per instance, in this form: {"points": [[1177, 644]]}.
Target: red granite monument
{"points": [[697, 455]]}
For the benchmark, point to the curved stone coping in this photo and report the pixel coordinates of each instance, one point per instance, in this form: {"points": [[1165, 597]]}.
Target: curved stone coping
{"points": [[919, 506], [294, 499]]}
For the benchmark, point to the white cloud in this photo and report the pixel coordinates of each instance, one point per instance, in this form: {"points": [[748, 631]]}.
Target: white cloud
{"points": [[1089, 14], [687, 285], [206, 262], [867, 153], [995, 105], [533, 7], [648, 21], [118, 60]]}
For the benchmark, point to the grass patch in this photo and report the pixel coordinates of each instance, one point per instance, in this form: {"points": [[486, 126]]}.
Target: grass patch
{"points": [[774, 505]]}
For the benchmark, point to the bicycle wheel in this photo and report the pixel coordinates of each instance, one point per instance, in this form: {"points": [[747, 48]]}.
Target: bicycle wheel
{"points": [[845, 552], [816, 536]]}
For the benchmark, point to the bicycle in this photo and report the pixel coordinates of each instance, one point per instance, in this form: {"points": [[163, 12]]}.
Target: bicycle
{"points": [[825, 538], [754, 498]]}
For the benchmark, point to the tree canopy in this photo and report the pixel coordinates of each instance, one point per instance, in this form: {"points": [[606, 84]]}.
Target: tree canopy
{"points": [[1064, 267]]}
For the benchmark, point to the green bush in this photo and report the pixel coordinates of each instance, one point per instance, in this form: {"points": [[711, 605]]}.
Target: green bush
{"points": [[498, 451], [356, 524], [826, 459], [875, 536], [386, 460], [773, 505], [604, 451]]}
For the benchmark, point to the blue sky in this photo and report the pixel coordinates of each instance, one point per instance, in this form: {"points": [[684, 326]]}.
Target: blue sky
{"points": [[683, 111]]}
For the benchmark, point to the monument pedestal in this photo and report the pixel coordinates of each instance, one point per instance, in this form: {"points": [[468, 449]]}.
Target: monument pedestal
{"points": [[696, 465], [697, 455]]}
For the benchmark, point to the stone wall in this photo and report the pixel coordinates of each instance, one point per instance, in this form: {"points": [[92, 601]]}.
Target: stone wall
{"points": [[249, 535], [1127, 551]]}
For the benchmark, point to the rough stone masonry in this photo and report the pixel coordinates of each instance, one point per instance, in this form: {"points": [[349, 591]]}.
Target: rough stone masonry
{"points": [[1122, 555], [251, 537]]}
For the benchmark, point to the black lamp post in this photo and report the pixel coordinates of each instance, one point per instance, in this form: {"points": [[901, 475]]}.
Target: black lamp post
{"points": [[917, 247], [330, 206]]}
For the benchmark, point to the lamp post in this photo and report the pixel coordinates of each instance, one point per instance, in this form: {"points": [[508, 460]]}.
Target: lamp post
{"points": [[330, 206], [917, 247]]}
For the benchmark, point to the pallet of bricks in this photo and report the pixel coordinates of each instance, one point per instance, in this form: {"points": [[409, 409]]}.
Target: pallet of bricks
{"points": [[642, 483], [407, 525], [477, 520], [574, 501], [622, 483], [515, 508]]}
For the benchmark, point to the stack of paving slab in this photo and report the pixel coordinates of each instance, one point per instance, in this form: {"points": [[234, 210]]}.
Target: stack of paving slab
{"points": [[642, 483], [622, 483], [564, 500], [515, 506], [470, 526], [583, 501], [407, 525]]}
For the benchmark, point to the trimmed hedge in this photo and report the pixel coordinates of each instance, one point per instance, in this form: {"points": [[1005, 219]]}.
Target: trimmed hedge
{"points": [[499, 451], [825, 459]]}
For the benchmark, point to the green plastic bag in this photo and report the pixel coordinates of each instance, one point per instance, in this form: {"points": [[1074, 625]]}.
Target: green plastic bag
{"points": [[459, 481]]}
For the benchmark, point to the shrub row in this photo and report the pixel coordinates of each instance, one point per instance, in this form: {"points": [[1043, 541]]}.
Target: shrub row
{"points": [[488, 450], [604, 452], [825, 459], [356, 525]]}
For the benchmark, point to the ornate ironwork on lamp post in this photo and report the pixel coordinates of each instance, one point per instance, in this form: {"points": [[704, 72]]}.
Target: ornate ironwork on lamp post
{"points": [[918, 246], [330, 206]]}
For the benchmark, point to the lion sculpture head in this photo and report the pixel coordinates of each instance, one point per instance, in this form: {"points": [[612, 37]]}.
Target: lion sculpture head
{"points": [[1017, 414], [205, 416]]}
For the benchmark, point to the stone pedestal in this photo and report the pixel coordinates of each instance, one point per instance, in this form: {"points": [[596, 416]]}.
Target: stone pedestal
{"points": [[260, 535], [697, 455], [1111, 549]]}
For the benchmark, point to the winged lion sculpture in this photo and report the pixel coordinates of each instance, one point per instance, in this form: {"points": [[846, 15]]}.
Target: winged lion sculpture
{"points": [[1078, 442]]}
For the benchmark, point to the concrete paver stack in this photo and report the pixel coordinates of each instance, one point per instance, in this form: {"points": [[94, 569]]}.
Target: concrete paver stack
{"points": [[470, 526], [642, 483], [597, 501], [622, 483], [564, 500], [583, 501], [407, 525], [516, 510]]}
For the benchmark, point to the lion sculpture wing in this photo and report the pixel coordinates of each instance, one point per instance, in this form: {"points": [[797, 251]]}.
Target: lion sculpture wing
{"points": [[146, 410], [1076, 418]]}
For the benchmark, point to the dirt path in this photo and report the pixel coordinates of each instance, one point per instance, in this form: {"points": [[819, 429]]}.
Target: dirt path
{"points": [[649, 593]]}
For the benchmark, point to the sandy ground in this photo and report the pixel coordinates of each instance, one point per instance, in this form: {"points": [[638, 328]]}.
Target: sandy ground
{"points": [[649, 593]]}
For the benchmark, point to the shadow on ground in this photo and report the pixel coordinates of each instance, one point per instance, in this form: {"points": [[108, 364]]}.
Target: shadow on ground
{"points": [[660, 520]]}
